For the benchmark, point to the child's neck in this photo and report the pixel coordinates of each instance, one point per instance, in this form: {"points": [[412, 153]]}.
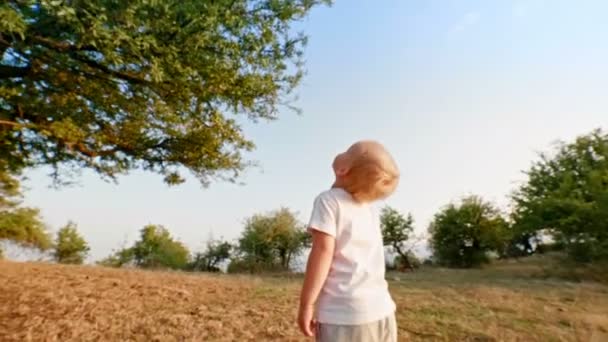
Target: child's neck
{"points": [[338, 184]]}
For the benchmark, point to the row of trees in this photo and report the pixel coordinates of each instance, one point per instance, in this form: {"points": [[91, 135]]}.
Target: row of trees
{"points": [[565, 199], [269, 242]]}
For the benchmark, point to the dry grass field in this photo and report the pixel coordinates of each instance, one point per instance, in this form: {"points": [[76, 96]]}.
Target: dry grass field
{"points": [[45, 302]]}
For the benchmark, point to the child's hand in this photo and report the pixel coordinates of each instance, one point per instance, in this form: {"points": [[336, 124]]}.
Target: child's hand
{"points": [[305, 320]]}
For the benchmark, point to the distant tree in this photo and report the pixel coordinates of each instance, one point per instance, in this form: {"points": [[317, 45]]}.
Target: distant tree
{"points": [[216, 252], [119, 258], [396, 231], [70, 247], [410, 262], [271, 241], [522, 243], [566, 194], [463, 234], [120, 85], [157, 248], [20, 225]]}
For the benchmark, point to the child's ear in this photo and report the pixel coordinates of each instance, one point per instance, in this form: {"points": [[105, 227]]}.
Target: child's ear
{"points": [[340, 166], [342, 171]]}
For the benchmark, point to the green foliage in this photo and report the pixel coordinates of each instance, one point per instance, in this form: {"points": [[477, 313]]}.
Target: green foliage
{"points": [[271, 241], [119, 258], [120, 85], [156, 248], [20, 225], [567, 195], [253, 266], [70, 247], [396, 231], [216, 252], [463, 234]]}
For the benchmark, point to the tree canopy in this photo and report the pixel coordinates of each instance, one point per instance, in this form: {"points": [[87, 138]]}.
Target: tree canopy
{"points": [[270, 241], [462, 234], [216, 252], [70, 247], [567, 194], [153, 84], [157, 248]]}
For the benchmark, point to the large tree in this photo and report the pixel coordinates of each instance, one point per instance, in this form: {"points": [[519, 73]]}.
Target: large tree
{"points": [[118, 85], [70, 247], [566, 194], [463, 234], [20, 225]]}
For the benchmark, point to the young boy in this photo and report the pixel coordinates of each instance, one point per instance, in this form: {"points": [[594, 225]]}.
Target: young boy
{"points": [[345, 297]]}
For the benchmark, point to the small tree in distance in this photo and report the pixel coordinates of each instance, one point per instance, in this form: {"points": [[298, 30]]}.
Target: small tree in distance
{"points": [[156, 248], [270, 242], [396, 231], [463, 234], [118, 258], [70, 246], [216, 252]]}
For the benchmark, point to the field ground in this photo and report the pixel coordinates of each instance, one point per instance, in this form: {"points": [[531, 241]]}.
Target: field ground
{"points": [[45, 302]]}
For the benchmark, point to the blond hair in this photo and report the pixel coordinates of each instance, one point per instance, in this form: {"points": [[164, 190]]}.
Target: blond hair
{"points": [[372, 174]]}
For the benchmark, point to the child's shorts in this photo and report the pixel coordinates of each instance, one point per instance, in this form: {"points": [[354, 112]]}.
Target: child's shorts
{"points": [[384, 330]]}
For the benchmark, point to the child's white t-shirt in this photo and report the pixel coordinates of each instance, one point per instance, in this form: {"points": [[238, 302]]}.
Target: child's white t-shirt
{"points": [[355, 291]]}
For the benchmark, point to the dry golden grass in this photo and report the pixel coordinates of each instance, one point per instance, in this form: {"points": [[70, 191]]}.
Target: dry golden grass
{"points": [[44, 302]]}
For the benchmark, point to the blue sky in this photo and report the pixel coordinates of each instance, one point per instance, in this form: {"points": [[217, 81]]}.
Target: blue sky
{"points": [[463, 93]]}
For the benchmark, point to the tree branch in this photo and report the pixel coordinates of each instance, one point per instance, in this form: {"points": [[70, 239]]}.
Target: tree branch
{"points": [[103, 68], [80, 147], [73, 52], [11, 123], [60, 46]]}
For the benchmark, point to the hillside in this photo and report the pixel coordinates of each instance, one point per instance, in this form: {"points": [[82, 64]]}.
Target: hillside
{"points": [[72, 303]]}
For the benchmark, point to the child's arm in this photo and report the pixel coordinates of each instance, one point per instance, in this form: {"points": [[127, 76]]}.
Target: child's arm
{"points": [[317, 269]]}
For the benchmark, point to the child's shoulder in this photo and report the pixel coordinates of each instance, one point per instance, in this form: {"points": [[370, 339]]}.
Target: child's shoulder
{"points": [[333, 195]]}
